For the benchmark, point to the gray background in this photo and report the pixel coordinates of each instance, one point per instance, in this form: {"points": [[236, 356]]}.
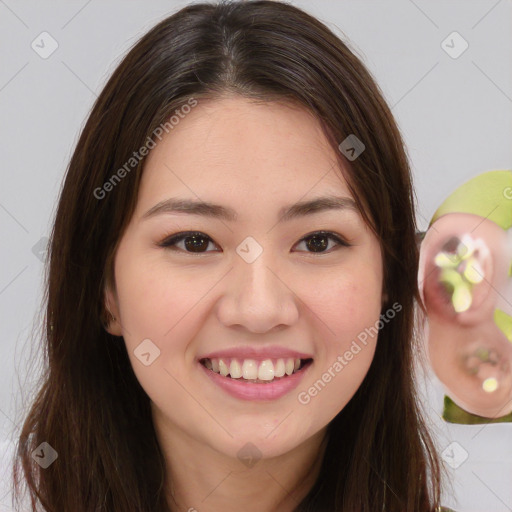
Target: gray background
{"points": [[455, 115]]}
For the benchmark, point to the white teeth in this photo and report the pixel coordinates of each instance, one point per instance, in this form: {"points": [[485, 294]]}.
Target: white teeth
{"points": [[250, 369], [266, 370], [254, 370], [279, 368], [223, 368], [235, 370]]}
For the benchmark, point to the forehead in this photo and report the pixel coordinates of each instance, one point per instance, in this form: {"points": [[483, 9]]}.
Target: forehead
{"points": [[251, 148]]}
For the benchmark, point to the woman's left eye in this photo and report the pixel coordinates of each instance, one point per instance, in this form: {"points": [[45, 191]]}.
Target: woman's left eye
{"points": [[195, 242], [319, 240]]}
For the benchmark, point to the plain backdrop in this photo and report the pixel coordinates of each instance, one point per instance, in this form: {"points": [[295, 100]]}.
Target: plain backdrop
{"points": [[455, 113]]}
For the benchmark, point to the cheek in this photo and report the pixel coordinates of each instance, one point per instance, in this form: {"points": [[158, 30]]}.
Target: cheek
{"points": [[155, 298], [158, 304], [349, 305], [346, 301]]}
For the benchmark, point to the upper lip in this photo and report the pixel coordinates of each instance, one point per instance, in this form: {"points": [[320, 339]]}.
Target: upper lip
{"points": [[260, 353]]}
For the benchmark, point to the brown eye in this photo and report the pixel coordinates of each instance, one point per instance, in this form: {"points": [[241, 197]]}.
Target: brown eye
{"points": [[318, 242], [194, 242]]}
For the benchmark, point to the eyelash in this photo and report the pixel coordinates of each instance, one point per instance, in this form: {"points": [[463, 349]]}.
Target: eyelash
{"points": [[170, 241]]}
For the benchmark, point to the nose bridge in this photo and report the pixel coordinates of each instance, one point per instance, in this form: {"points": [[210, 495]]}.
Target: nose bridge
{"points": [[256, 296], [259, 281]]}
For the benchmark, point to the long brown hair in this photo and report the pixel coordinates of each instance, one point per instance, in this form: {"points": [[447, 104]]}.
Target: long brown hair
{"points": [[90, 407]]}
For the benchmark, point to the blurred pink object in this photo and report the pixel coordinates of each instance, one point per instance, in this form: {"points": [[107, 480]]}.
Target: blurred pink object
{"points": [[465, 285]]}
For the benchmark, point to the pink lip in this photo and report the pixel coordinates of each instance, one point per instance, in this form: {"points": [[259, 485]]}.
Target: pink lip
{"points": [[254, 391], [259, 354]]}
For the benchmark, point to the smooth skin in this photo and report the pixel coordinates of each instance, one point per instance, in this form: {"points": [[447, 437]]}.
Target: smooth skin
{"points": [[254, 158]]}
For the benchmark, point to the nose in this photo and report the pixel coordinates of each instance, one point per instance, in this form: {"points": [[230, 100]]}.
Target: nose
{"points": [[256, 297]]}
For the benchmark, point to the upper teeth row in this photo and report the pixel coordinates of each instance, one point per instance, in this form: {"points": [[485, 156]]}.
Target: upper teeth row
{"points": [[252, 369]]}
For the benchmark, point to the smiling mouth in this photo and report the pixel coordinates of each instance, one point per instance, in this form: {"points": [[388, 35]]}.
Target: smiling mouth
{"points": [[258, 372]]}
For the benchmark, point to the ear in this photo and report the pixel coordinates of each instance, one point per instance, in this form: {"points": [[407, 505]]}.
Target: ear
{"points": [[110, 315]]}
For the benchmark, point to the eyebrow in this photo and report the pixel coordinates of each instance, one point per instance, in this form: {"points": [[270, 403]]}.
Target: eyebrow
{"points": [[300, 209]]}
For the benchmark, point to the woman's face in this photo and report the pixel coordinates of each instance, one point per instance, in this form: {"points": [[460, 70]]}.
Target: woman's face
{"points": [[247, 290]]}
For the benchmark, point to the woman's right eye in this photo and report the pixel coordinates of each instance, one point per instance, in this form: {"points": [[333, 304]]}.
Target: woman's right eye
{"points": [[194, 242]]}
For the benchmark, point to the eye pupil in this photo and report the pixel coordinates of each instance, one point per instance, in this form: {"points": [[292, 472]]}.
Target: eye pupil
{"points": [[200, 242], [318, 245]]}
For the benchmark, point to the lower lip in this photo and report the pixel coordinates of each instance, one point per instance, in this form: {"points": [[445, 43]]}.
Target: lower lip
{"points": [[253, 391]]}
